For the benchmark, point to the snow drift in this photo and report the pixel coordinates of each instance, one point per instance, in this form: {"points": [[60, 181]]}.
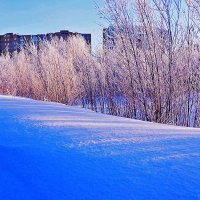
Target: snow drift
{"points": [[52, 151]]}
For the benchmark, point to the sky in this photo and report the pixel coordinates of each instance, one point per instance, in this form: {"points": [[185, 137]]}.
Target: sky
{"points": [[43, 16]]}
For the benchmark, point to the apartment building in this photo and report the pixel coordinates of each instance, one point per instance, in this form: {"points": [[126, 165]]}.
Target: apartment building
{"points": [[137, 34], [13, 42]]}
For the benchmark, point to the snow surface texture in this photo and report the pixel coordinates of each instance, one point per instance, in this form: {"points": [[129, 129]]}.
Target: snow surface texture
{"points": [[50, 151]]}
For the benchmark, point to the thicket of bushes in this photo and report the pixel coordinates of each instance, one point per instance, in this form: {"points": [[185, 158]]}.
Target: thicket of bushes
{"points": [[155, 78]]}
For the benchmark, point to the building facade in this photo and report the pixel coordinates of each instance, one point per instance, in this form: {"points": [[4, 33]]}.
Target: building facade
{"points": [[109, 37], [13, 42], [137, 33]]}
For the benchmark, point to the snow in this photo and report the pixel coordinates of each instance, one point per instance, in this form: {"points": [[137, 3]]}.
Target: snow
{"points": [[50, 151]]}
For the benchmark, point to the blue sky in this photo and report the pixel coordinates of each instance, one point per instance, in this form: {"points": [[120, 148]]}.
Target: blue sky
{"points": [[42, 16]]}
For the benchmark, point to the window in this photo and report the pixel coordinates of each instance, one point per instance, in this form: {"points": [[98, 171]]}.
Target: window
{"points": [[15, 45], [21, 40], [35, 40], [44, 37]]}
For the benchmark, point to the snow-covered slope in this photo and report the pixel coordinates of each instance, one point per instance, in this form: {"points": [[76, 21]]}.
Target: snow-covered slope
{"points": [[51, 151]]}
